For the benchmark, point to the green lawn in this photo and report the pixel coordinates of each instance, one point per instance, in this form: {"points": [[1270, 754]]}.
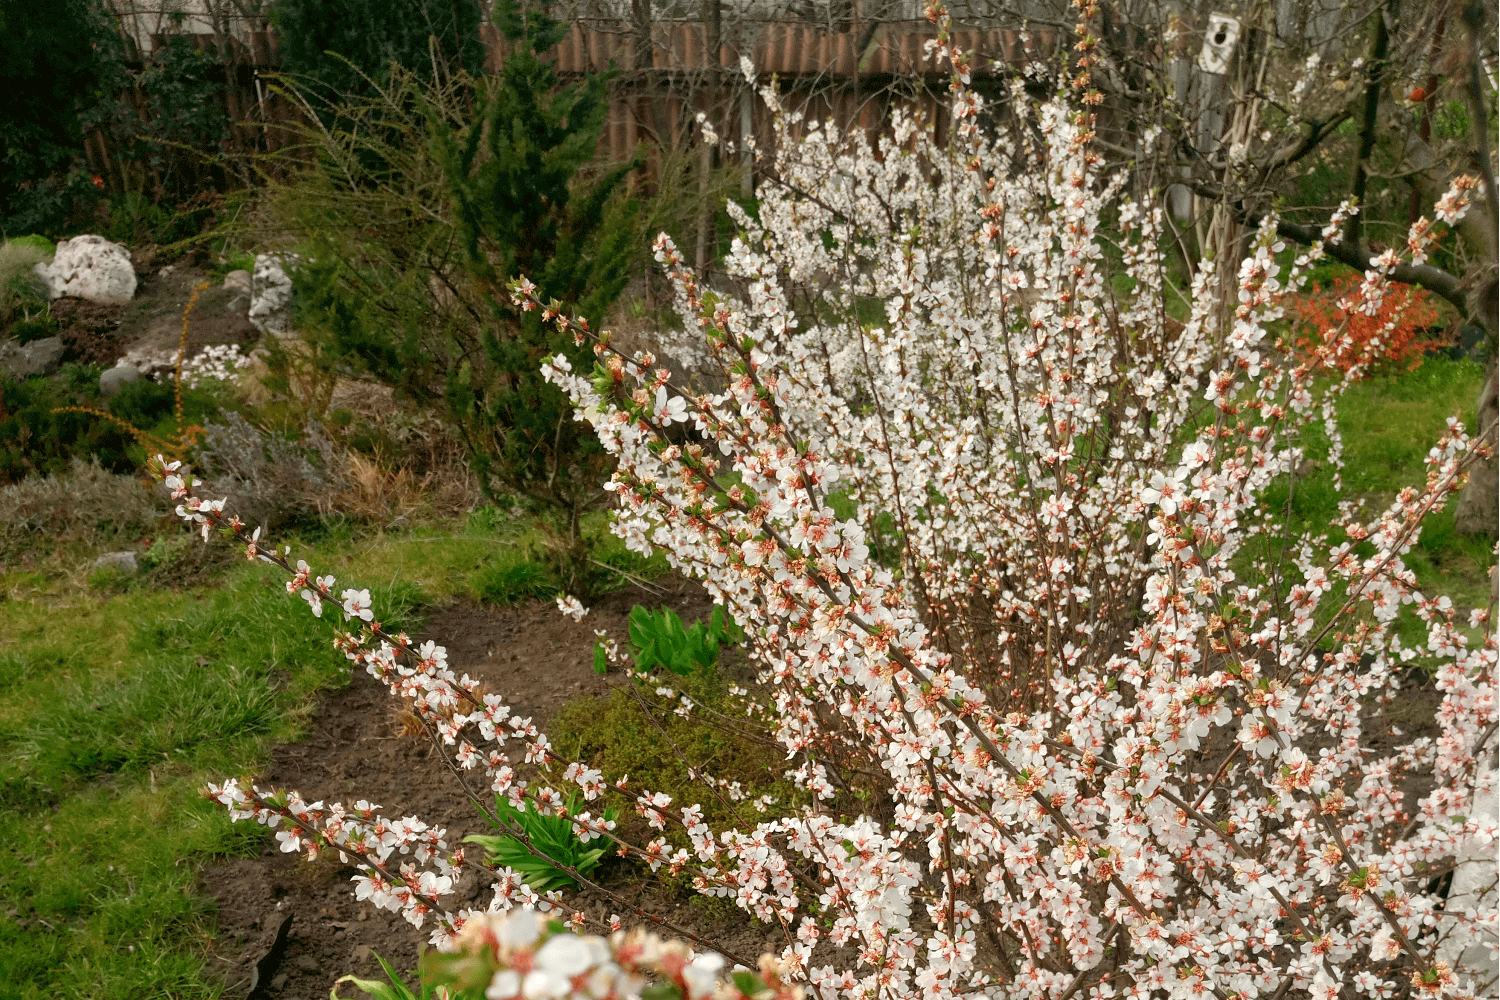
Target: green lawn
{"points": [[1388, 424], [115, 709]]}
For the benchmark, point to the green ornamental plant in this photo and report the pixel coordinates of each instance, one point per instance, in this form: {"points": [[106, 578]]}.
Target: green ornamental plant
{"points": [[660, 639], [429, 194], [552, 836], [22, 297], [527, 201]]}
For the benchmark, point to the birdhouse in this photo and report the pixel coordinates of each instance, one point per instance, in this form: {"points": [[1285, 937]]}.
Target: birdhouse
{"points": [[1218, 44]]}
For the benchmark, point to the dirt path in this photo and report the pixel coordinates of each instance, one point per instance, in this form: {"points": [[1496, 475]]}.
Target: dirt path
{"points": [[533, 656]]}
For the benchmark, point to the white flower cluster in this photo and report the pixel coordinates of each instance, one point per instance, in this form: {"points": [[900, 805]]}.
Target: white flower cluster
{"points": [[527, 955], [217, 362]]}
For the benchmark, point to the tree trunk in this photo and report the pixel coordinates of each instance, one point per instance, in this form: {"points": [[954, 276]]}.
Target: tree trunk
{"points": [[1478, 510]]}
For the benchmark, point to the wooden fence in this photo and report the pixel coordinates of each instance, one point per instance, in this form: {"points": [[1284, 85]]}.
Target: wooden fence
{"points": [[851, 73]]}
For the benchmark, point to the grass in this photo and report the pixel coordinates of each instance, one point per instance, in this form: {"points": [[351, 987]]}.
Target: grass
{"points": [[114, 710], [1388, 424], [517, 569]]}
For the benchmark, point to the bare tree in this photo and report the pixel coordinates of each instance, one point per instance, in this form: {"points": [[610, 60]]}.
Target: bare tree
{"points": [[1304, 85]]}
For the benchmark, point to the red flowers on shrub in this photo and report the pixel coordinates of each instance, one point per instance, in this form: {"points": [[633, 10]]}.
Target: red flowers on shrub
{"points": [[1394, 338]]}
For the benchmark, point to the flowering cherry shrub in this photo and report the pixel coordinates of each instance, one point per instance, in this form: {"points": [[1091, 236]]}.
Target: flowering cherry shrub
{"points": [[1124, 723]]}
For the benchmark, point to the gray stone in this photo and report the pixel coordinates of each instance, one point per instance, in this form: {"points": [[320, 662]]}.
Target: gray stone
{"points": [[238, 285], [271, 295], [1474, 881], [124, 562], [92, 268], [40, 357], [111, 380]]}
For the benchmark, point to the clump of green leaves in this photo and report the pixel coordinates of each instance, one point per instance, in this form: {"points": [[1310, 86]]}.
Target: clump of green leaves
{"points": [[551, 835], [44, 426], [50, 56], [511, 581], [660, 639]]}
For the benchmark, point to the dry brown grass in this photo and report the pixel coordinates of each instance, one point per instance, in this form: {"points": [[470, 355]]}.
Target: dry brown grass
{"points": [[366, 491], [413, 467]]}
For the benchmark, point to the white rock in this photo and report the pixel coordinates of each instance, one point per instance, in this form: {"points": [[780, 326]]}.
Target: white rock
{"points": [[151, 363], [237, 279], [112, 379], [92, 268], [271, 295]]}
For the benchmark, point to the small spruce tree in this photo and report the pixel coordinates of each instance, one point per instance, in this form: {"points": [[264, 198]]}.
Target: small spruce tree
{"points": [[527, 202]]}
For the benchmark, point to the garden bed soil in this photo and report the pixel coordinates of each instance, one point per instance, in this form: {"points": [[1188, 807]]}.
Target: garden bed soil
{"points": [[538, 661], [153, 321], [90, 331]]}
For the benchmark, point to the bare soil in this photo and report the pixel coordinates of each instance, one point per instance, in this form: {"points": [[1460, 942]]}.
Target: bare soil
{"points": [[90, 331], [538, 661], [154, 319]]}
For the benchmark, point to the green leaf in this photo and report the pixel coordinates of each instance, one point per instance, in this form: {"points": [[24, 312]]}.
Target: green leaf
{"points": [[748, 982], [674, 629], [393, 990], [661, 991], [640, 626], [601, 660]]}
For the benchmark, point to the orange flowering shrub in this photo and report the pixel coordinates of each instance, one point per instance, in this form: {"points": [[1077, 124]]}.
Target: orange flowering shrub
{"points": [[1330, 330]]}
